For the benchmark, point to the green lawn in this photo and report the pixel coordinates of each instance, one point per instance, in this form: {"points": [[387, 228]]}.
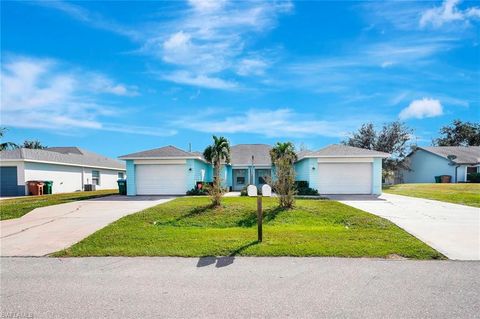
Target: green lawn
{"points": [[189, 227], [465, 194], [17, 207]]}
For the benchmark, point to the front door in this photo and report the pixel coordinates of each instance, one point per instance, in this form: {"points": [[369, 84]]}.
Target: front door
{"points": [[240, 177]]}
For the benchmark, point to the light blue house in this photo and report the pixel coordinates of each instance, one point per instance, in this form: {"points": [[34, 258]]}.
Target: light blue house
{"points": [[427, 162], [336, 169]]}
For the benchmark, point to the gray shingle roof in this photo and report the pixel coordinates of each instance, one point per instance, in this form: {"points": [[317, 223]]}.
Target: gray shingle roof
{"points": [[163, 152], [464, 154], [339, 150], [65, 155], [241, 154]]}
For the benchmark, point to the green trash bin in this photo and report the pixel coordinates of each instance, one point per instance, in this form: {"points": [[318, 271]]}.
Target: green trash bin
{"points": [[122, 186], [47, 187], [438, 179]]}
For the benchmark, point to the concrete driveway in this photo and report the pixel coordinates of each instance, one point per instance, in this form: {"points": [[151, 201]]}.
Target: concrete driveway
{"points": [[49, 229], [453, 230]]}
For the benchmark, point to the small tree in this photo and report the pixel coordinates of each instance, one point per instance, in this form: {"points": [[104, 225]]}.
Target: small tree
{"points": [[216, 153], [283, 157], [459, 134]]}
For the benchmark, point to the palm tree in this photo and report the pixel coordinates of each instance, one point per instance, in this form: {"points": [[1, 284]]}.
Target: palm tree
{"points": [[283, 157], [33, 144], [280, 150], [215, 154], [6, 145]]}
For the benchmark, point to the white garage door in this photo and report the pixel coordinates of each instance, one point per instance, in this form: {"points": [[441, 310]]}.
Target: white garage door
{"points": [[160, 179], [345, 178]]}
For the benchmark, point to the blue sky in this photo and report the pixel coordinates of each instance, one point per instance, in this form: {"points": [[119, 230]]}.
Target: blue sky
{"points": [[119, 77]]}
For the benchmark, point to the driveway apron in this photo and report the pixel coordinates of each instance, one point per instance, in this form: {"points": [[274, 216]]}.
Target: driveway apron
{"points": [[453, 230], [49, 229]]}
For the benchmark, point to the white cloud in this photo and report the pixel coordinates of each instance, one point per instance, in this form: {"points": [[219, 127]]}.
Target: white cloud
{"points": [[251, 66], [205, 81], [44, 93], [448, 12], [423, 108], [209, 40], [270, 123], [207, 5], [99, 83]]}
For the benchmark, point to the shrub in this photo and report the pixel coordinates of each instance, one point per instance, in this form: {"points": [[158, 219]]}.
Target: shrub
{"points": [[197, 192], [473, 177], [303, 189]]}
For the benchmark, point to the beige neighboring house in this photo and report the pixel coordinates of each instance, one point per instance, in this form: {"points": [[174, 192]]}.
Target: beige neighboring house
{"points": [[70, 169]]}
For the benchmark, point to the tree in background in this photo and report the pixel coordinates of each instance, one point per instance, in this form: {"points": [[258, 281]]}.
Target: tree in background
{"points": [[393, 138], [459, 134], [283, 157], [216, 153], [6, 145], [33, 144]]}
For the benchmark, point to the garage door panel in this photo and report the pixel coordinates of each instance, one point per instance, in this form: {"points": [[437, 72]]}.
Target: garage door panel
{"points": [[160, 179], [344, 178], [8, 181]]}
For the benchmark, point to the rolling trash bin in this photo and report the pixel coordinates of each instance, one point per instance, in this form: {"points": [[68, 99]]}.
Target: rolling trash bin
{"points": [[122, 186], [438, 179], [35, 188], [47, 187]]}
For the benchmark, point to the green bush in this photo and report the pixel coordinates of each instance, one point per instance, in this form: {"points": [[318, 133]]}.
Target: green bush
{"points": [[303, 189], [473, 177], [197, 192]]}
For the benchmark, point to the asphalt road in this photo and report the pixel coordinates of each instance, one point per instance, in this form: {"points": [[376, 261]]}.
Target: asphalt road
{"points": [[238, 288]]}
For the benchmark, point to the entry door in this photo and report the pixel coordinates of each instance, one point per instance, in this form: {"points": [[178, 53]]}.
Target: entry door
{"points": [[161, 179], [344, 178]]}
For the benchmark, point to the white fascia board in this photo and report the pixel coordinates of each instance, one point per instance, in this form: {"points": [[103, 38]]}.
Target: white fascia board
{"points": [[61, 163], [161, 158]]}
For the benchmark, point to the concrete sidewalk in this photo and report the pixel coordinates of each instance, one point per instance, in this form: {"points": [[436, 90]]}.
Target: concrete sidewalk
{"points": [[49, 229], [228, 287], [453, 230]]}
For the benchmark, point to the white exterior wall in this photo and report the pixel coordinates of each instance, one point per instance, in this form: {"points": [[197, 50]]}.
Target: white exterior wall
{"points": [[67, 178]]}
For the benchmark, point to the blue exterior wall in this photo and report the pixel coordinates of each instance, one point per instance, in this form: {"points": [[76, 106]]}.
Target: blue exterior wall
{"points": [[306, 170], [131, 187], [377, 176], [425, 166], [198, 171]]}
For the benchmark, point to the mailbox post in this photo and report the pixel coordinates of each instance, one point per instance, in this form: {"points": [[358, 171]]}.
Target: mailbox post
{"points": [[252, 192]]}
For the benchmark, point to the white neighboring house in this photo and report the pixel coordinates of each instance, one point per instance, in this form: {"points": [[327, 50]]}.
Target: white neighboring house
{"points": [[70, 168]]}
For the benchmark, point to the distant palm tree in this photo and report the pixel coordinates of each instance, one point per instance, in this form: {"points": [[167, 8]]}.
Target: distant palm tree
{"points": [[33, 144], [6, 145], [216, 153]]}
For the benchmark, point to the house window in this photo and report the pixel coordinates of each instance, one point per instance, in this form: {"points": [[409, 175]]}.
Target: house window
{"points": [[240, 180], [96, 177], [121, 175]]}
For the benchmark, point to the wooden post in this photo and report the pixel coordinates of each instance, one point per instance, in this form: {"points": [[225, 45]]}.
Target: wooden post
{"points": [[259, 217]]}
